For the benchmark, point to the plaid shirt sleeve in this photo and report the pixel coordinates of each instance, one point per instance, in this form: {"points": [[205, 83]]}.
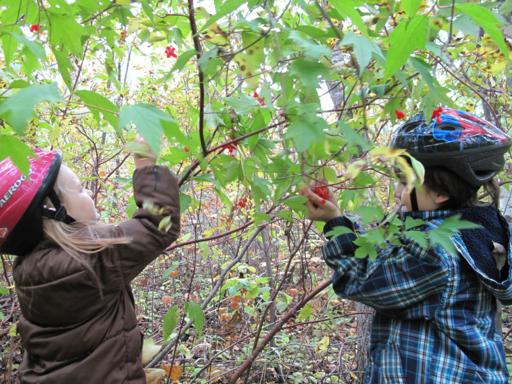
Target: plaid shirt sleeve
{"points": [[398, 278]]}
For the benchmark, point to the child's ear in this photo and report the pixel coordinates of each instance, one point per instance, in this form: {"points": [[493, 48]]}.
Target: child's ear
{"points": [[441, 199]]}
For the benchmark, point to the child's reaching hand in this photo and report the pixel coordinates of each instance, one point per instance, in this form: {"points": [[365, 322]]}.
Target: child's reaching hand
{"points": [[142, 154], [321, 204]]}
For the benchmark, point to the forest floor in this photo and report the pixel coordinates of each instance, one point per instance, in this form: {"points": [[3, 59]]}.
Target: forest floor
{"points": [[321, 349]]}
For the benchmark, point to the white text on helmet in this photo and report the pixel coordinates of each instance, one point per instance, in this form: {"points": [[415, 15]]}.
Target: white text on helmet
{"points": [[11, 190]]}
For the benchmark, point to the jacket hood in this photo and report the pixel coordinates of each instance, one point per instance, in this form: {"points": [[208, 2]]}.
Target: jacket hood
{"points": [[488, 250]]}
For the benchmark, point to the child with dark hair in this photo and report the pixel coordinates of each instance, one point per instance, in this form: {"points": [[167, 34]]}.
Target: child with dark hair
{"points": [[435, 319]]}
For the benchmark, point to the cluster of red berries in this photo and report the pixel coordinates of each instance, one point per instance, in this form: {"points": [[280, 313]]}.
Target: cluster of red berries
{"points": [[258, 98], [436, 114], [231, 148], [321, 191], [170, 51], [242, 203]]}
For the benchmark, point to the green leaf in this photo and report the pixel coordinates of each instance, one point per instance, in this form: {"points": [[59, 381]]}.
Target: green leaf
{"points": [[366, 250], [64, 65], [339, 230], [9, 45], [228, 7], [305, 313], [185, 201], [183, 59], [419, 237], [196, 314], [311, 49], [348, 8], [410, 7], [306, 131], [33, 46], [99, 104], [308, 72], [441, 235], [363, 48], [412, 223], [242, 104], [18, 109], [370, 214], [17, 151], [17, 84], [296, 203], [488, 21], [66, 32], [149, 122], [170, 320], [404, 39]]}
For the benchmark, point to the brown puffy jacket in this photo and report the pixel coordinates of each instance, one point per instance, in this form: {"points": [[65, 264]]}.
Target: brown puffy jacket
{"points": [[70, 333]]}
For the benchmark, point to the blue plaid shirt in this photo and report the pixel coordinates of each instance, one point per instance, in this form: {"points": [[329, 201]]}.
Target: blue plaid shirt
{"points": [[435, 312]]}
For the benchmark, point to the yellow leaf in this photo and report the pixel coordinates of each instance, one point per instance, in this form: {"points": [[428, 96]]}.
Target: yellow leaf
{"points": [[12, 330], [498, 67], [386, 152], [323, 344]]}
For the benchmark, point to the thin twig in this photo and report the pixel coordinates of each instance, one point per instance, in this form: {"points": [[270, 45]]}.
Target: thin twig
{"points": [[199, 52], [166, 348]]}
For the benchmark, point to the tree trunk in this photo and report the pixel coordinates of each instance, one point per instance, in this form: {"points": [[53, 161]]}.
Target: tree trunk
{"points": [[364, 326]]}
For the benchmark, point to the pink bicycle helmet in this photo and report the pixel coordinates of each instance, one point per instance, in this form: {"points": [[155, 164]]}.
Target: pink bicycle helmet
{"points": [[21, 202]]}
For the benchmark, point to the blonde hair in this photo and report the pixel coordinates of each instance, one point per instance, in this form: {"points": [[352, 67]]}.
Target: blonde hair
{"points": [[78, 239]]}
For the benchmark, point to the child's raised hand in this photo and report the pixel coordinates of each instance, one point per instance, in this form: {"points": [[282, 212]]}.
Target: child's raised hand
{"points": [[142, 153], [321, 203]]}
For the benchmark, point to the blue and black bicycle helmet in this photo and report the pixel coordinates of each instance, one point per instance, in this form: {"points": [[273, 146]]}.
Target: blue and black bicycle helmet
{"points": [[459, 141]]}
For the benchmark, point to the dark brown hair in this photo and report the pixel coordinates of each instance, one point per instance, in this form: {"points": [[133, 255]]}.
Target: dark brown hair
{"points": [[461, 194]]}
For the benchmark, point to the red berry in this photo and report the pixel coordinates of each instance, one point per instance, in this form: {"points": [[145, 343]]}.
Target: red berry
{"points": [[399, 114], [186, 149], [35, 28], [321, 191]]}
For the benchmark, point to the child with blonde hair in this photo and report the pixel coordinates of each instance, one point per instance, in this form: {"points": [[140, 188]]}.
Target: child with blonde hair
{"points": [[73, 275]]}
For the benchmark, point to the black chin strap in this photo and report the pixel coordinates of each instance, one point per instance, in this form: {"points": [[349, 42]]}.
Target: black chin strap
{"points": [[414, 200], [59, 213]]}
